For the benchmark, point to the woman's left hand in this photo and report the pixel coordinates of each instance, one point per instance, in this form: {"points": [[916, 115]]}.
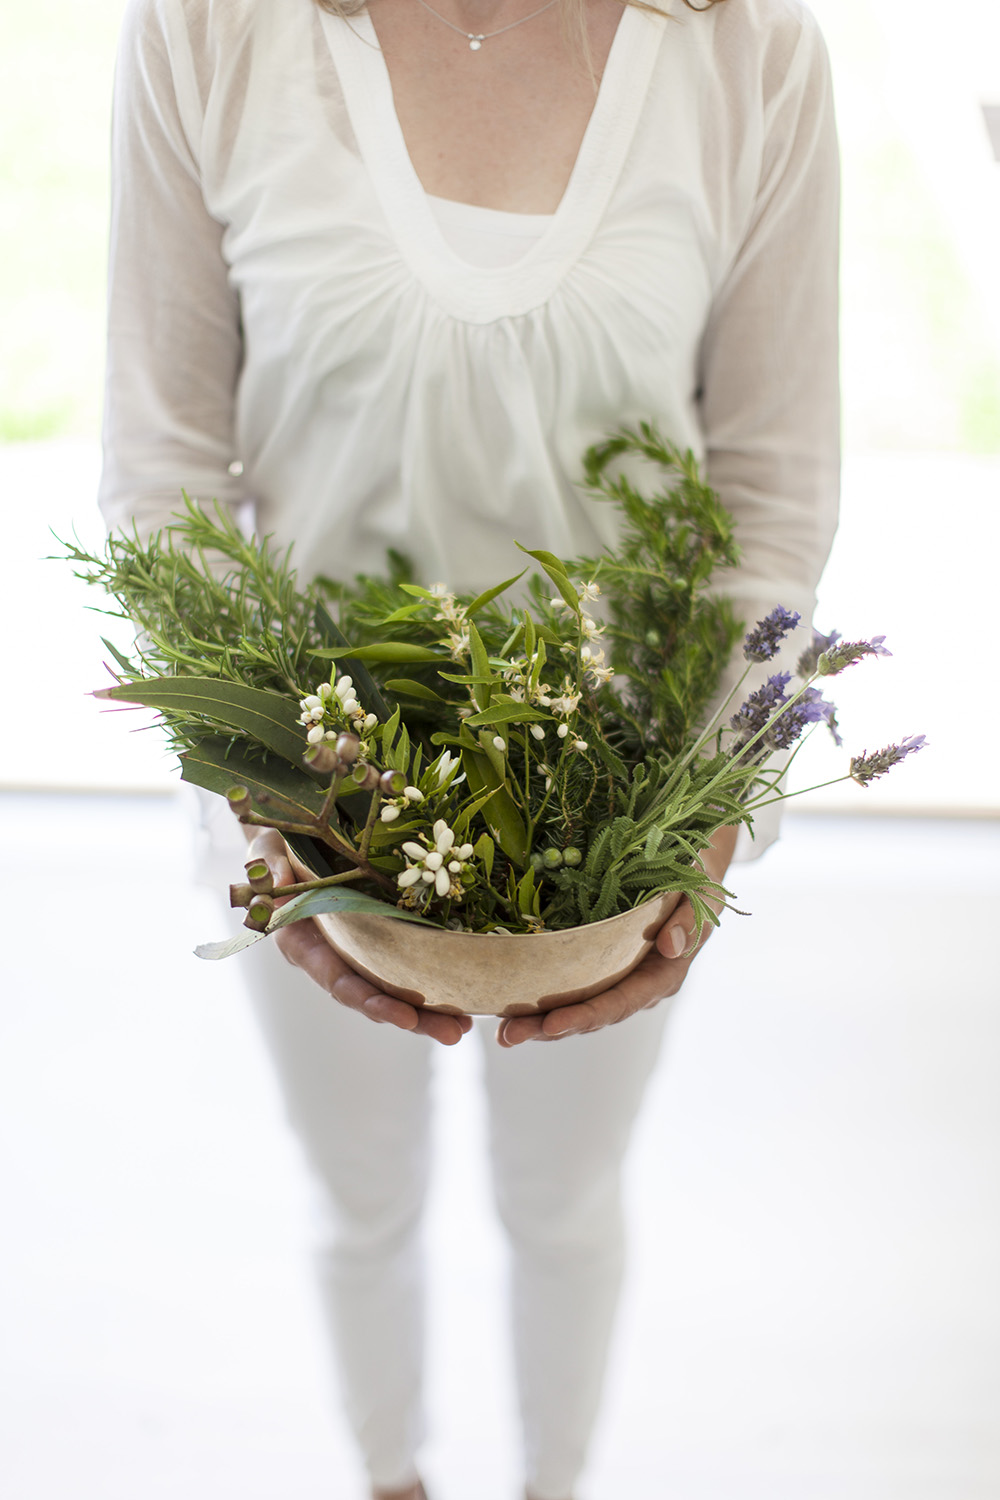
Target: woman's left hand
{"points": [[661, 973]]}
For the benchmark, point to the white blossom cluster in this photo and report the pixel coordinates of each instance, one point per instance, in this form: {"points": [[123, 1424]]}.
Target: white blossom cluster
{"points": [[331, 709], [395, 805], [439, 864], [453, 615], [591, 656]]}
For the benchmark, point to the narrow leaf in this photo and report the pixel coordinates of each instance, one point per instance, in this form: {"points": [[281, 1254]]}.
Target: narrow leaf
{"points": [[390, 651], [414, 689], [485, 598]]}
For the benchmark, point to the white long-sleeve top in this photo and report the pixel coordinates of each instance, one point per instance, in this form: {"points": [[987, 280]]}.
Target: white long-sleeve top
{"points": [[282, 297]]}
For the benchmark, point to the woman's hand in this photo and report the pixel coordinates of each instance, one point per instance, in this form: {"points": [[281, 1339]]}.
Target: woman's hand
{"points": [[304, 945], [661, 973]]}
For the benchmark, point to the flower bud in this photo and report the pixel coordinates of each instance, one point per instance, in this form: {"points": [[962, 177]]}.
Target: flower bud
{"points": [[239, 800], [392, 783], [434, 860], [259, 875], [260, 913], [344, 687], [562, 731], [324, 690], [466, 851], [407, 877], [413, 794], [442, 882], [538, 731], [389, 814], [572, 858], [348, 747], [321, 757], [369, 724], [315, 734]]}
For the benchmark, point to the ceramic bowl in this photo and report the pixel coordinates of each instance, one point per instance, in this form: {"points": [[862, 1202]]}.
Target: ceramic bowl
{"points": [[493, 974]]}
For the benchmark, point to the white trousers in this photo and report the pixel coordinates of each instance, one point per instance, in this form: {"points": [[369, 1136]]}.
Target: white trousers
{"points": [[560, 1114]]}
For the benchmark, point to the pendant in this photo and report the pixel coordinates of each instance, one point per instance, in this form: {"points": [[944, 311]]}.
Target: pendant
{"points": [[475, 42]]}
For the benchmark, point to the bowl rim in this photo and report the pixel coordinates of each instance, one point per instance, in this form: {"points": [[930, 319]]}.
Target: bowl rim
{"points": [[525, 936]]}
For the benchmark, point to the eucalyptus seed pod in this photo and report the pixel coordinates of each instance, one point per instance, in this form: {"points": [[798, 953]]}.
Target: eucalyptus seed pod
{"points": [[239, 800], [392, 783], [365, 776], [572, 858], [240, 895], [259, 914], [321, 757], [348, 747], [259, 875]]}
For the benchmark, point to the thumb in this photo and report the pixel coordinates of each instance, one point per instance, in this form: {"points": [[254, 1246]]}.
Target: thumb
{"points": [[269, 846], [677, 935]]}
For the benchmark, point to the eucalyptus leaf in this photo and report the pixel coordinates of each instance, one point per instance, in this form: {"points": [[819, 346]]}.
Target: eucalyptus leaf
{"points": [[310, 904], [277, 789], [267, 718]]}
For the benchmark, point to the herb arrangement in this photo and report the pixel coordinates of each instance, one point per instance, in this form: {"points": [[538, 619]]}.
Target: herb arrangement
{"points": [[460, 761]]}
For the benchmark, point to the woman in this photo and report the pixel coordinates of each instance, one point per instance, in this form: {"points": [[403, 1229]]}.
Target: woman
{"points": [[386, 273]]}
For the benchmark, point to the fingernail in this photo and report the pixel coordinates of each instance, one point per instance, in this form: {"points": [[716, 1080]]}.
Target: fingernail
{"points": [[566, 1031], [678, 940]]}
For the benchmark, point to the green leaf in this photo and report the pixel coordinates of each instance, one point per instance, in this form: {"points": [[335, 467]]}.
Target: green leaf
{"points": [[267, 718], [480, 663], [310, 904], [482, 599], [421, 593], [504, 711], [526, 896], [405, 612], [414, 689], [390, 651], [122, 661], [556, 569], [277, 788], [529, 635], [485, 849], [501, 813]]}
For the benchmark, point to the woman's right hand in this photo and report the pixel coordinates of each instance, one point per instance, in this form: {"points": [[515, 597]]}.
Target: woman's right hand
{"points": [[304, 945]]}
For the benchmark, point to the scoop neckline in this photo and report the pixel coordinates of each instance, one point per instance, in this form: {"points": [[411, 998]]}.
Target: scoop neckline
{"points": [[485, 294]]}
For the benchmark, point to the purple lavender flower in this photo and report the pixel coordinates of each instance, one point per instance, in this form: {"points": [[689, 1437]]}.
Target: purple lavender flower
{"points": [[806, 664], [752, 715], [838, 657], [810, 708], [762, 642], [865, 768]]}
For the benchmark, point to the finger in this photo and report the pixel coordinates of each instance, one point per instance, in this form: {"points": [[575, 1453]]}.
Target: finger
{"points": [[655, 979], [269, 846], [305, 947]]}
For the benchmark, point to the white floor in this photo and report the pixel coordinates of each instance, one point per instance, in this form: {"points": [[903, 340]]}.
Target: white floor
{"points": [[813, 1309]]}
